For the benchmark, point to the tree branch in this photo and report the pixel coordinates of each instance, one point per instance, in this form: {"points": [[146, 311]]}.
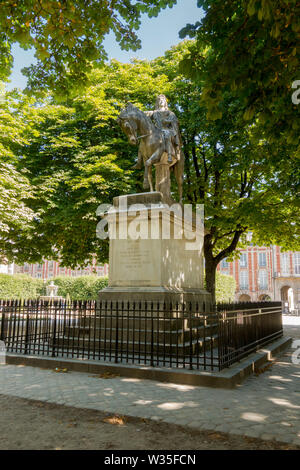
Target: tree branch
{"points": [[231, 247]]}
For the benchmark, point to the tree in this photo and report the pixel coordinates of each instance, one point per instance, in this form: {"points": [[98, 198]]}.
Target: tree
{"points": [[15, 189], [78, 159], [67, 35], [250, 48], [232, 172]]}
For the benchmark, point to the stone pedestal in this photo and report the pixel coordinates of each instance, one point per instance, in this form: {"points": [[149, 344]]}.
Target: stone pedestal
{"points": [[152, 254], [162, 178]]}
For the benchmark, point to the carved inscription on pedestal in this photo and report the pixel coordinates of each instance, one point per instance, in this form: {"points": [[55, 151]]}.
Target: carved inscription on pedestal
{"points": [[135, 262]]}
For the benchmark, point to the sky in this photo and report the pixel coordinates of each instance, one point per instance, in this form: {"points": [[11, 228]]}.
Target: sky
{"points": [[157, 35]]}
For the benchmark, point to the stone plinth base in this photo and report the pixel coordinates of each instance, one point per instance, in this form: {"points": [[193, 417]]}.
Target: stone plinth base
{"points": [[159, 295]]}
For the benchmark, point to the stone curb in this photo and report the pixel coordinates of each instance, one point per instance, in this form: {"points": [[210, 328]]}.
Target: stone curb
{"points": [[227, 378]]}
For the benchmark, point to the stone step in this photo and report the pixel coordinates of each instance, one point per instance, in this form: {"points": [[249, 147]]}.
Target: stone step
{"points": [[182, 349], [172, 336], [140, 322]]}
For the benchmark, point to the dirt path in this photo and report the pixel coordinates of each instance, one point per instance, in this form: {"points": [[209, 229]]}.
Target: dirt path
{"points": [[26, 424]]}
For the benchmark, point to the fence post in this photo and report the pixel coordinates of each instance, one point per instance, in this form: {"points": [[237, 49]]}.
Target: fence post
{"points": [[191, 336], [26, 330], [152, 335], [2, 331], [117, 332], [54, 331], [219, 339], [280, 313]]}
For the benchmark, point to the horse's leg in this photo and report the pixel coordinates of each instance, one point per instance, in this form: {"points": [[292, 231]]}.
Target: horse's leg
{"points": [[139, 163], [148, 180], [155, 158]]}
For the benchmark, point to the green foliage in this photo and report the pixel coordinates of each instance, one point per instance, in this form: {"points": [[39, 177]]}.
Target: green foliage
{"points": [[67, 35], [14, 189], [225, 287], [245, 182], [249, 48], [16, 122], [20, 286], [77, 159], [80, 288]]}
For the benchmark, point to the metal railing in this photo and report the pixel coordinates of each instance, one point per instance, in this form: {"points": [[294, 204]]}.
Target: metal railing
{"points": [[149, 333], [244, 331]]}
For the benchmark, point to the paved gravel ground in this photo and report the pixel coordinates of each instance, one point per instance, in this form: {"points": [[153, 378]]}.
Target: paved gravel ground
{"points": [[26, 424], [266, 406]]}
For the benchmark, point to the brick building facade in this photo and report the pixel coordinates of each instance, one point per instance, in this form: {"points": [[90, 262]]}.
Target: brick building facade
{"points": [[266, 273], [50, 269]]}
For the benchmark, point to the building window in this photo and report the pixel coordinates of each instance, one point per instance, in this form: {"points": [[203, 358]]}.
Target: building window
{"points": [[224, 264], [262, 259], [297, 263], [243, 260], [244, 280], [285, 265], [262, 279]]}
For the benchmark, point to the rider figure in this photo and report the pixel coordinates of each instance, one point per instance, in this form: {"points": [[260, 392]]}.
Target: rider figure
{"points": [[167, 122]]}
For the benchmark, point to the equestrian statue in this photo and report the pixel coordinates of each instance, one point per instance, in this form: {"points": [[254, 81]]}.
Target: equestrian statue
{"points": [[158, 135]]}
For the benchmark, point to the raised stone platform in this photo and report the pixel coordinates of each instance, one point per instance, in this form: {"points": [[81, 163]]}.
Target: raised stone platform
{"points": [[227, 378], [158, 295]]}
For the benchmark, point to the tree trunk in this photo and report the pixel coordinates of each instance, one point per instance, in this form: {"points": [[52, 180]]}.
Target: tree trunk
{"points": [[210, 267], [210, 278]]}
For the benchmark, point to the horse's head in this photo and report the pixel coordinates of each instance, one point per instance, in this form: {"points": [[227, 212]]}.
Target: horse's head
{"points": [[127, 120]]}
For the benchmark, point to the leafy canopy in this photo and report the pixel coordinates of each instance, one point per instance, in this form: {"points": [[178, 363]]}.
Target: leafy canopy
{"points": [[16, 124], [245, 182], [249, 48], [67, 35], [77, 159]]}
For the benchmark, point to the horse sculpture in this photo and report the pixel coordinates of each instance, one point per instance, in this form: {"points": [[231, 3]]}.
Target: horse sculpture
{"points": [[152, 148]]}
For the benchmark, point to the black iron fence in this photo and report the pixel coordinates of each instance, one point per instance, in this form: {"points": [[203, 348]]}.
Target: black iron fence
{"points": [[150, 333], [243, 331]]}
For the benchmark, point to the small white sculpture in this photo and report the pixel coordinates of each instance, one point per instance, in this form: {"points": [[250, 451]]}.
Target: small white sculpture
{"points": [[51, 289]]}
